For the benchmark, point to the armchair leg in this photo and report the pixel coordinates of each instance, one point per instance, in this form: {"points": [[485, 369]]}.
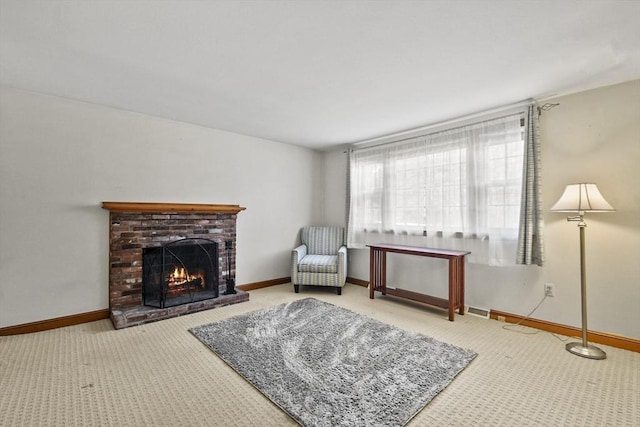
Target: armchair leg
{"points": [[296, 288], [339, 290]]}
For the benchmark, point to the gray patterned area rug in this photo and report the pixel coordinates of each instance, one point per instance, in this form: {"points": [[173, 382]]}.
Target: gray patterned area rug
{"points": [[328, 366]]}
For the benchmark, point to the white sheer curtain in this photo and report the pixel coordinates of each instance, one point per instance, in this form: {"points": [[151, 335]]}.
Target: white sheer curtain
{"points": [[456, 189]]}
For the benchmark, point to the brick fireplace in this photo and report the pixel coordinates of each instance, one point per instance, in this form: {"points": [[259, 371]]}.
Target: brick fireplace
{"points": [[136, 227]]}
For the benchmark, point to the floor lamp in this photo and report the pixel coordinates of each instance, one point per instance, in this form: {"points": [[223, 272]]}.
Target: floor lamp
{"points": [[582, 198]]}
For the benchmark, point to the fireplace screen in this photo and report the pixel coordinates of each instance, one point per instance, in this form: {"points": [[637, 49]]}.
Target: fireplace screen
{"points": [[181, 272]]}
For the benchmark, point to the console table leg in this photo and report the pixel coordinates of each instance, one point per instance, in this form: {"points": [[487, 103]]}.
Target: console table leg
{"points": [[383, 272], [372, 272], [377, 272], [461, 285], [452, 289]]}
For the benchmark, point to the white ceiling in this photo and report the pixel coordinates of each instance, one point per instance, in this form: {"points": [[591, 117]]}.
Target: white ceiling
{"points": [[315, 73]]}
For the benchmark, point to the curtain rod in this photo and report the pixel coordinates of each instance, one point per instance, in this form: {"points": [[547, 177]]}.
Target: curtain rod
{"points": [[415, 132]]}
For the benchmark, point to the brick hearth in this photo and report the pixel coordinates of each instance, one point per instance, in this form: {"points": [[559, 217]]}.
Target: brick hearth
{"points": [[135, 226]]}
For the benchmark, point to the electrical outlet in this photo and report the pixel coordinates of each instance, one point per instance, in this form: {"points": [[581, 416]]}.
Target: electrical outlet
{"points": [[548, 289]]}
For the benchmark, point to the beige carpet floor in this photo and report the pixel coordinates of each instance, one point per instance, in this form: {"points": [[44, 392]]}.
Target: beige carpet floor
{"points": [[158, 374]]}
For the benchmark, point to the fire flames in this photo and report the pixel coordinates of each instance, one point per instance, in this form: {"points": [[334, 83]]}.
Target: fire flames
{"points": [[181, 277]]}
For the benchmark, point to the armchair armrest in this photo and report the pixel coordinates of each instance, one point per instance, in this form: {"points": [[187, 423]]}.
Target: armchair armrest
{"points": [[299, 252], [296, 255], [342, 264]]}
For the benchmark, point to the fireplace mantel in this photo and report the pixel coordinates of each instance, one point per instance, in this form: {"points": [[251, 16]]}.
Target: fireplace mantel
{"points": [[170, 207]]}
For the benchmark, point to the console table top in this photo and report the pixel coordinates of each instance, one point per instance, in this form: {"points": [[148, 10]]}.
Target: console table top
{"points": [[419, 250]]}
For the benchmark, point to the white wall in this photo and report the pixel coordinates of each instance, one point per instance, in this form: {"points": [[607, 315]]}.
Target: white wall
{"points": [[592, 136], [60, 159]]}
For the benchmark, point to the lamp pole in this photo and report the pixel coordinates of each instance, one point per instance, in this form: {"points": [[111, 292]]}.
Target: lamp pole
{"points": [[584, 349]]}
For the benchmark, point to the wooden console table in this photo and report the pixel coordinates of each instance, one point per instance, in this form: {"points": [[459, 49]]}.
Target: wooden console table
{"points": [[378, 275]]}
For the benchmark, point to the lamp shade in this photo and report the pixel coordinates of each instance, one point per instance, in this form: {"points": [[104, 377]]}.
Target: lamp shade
{"points": [[583, 197]]}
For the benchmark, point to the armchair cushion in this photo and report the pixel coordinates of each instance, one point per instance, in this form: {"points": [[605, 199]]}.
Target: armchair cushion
{"points": [[319, 264]]}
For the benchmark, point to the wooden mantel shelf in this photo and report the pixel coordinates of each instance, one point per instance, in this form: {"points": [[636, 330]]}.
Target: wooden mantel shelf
{"points": [[170, 207]]}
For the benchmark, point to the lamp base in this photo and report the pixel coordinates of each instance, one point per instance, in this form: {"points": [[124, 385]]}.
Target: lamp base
{"points": [[590, 351]]}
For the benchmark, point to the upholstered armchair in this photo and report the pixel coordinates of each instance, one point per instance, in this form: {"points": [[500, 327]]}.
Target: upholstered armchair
{"points": [[321, 259]]}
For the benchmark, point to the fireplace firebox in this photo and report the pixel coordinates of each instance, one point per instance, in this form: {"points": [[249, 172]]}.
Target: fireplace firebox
{"points": [[180, 272]]}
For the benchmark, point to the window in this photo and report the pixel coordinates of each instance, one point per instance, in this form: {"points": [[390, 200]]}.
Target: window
{"points": [[448, 189]]}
